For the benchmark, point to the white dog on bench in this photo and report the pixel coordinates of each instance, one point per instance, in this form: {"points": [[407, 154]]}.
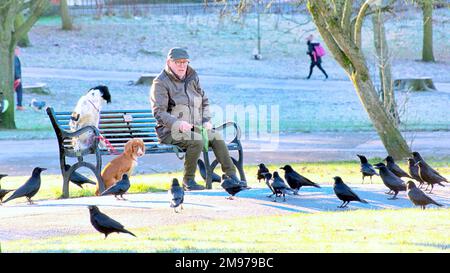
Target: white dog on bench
{"points": [[87, 112]]}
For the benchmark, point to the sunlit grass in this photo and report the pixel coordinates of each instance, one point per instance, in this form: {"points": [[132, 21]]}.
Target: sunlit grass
{"points": [[405, 230], [320, 172]]}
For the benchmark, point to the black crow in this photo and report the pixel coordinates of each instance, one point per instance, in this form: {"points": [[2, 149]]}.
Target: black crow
{"points": [[3, 192], [262, 170], [418, 197], [176, 195], [295, 180], [202, 169], [279, 187], [366, 168], [344, 193], [391, 181], [104, 224], [120, 188], [78, 179], [231, 186], [30, 188], [427, 173], [394, 168], [414, 171], [429, 176], [268, 177]]}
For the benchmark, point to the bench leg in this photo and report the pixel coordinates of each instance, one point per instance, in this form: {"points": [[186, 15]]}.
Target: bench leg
{"points": [[208, 170]]}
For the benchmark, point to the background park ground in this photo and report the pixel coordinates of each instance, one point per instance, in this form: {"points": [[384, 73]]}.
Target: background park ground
{"points": [[222, 47]]}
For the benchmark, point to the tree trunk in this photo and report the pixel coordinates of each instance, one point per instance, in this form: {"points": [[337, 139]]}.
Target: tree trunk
{"points": [[343, 39], [6, 86], [389, 134], [384, 66], [9, 35], [427, 48], [66, 20], [23, 41]]}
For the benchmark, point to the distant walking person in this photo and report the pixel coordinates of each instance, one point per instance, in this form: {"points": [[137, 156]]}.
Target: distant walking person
{"points": [[18, 80], [316, 58]]}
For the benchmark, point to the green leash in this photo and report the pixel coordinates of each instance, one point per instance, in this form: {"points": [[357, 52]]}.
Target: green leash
{"points": [[205, 139]]}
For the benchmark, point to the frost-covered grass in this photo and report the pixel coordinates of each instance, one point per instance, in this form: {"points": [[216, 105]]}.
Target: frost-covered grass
{"points": [[351, 231], [225, 45]]}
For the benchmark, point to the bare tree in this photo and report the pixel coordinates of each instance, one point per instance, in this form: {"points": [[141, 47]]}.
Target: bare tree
{"points": [[66, 20], [23, 41], [427, 48], [9, 36], [342, 34], [384, 64]]}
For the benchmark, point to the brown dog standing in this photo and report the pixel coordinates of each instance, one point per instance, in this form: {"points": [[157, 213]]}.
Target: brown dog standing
{"points": [[124, 163]]}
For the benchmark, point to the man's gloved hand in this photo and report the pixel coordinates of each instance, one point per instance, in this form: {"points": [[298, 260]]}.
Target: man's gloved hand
{"points": [[185, 126], [207, 125]]}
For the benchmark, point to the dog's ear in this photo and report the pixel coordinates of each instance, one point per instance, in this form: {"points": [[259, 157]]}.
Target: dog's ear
{"points": [[142, 144], [129, 147]]}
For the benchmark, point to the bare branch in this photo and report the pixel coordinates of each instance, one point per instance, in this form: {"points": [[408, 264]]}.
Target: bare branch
{"points": [[36, 9]]}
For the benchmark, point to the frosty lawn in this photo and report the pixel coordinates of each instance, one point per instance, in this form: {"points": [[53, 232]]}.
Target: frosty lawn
{"points": [[406, 230]]}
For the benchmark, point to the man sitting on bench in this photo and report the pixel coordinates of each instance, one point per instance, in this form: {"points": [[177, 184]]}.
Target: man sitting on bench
{"points": [[181, 108]]}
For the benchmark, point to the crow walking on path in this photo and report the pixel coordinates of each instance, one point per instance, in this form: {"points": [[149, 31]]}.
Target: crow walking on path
{"points": [[120, 188], [30, 188], [394, 168], [366, 168], [344, 193], [104, 224], [418, 197], [262, 170], [391, 181], [295, 180], [176, 195]]}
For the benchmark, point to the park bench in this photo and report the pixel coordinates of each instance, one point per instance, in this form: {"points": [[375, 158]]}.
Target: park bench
{"points": [[119, 126]]}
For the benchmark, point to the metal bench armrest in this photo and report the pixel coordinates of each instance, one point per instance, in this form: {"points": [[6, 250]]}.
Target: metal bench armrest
{"points": [[237, 135]]}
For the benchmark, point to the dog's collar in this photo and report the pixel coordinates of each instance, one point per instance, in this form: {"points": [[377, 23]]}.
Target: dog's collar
{"points": [[93, 105]]}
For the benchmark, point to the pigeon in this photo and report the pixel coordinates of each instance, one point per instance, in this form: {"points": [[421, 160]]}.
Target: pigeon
{"points": [[176, 195], [391, 181], [37, 105], [30, 188], [366, 168], [104, 224], [414, 171], [262, 170], [344, 193], [394, 168], [3, 192], [428, 176], [268, 177], [231, 186], [295, 180], [279, 187], [202, 169], [119, 188], [78, 179], [418, 197]]}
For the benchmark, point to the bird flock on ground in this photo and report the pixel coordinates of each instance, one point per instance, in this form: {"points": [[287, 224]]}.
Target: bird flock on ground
{"points": [[390, 173]]}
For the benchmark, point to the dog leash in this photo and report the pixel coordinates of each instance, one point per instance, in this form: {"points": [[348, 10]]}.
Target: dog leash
{"points": [[108, 144]]}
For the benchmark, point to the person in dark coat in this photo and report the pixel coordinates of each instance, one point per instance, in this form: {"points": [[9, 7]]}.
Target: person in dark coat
{"points": [[18, 80], [315, 60]]}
